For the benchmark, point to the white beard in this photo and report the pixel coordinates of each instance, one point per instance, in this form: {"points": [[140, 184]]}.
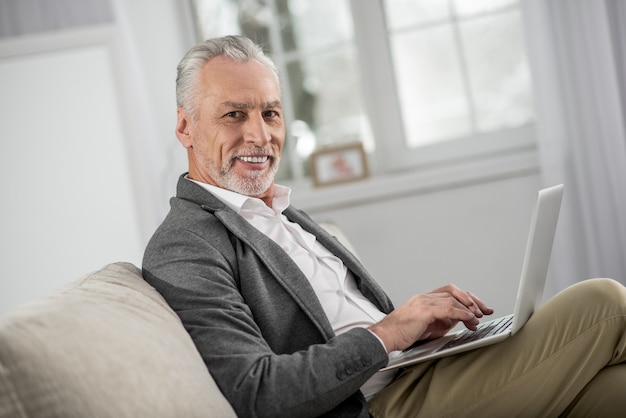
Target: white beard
{"points": [[253, 183]]}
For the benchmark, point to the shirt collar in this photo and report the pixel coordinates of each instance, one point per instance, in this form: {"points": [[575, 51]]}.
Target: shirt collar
{"points": [[238, 202]]}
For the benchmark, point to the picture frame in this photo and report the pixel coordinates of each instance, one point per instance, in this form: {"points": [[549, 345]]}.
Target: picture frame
{"points": [[339, 164]]}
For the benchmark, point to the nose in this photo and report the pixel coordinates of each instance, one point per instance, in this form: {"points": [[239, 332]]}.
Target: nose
{"points": [[256, 130]]}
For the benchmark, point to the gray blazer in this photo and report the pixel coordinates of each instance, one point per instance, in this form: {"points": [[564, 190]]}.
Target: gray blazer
{"points": [[253, 315]]}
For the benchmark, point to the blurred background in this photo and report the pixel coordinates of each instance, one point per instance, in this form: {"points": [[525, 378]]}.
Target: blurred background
{"points": [[464, 109]]}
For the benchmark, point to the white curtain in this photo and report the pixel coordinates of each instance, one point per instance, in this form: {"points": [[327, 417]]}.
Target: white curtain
{"points": [[578, 57]]}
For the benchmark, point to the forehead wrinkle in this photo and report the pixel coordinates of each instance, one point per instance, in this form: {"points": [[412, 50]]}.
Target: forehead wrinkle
{"points": [[236, 105], [275, 103], [246, 105]]}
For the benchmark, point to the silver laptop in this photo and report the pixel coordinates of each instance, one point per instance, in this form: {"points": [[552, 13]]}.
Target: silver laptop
{"points": [[533, 278]]}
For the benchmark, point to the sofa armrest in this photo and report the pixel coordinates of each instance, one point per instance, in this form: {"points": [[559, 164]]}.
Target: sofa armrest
{"points": [[107, 345]]}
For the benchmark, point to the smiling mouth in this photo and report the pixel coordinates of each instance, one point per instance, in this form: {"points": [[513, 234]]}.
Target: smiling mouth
{"points": [[254, 159]]}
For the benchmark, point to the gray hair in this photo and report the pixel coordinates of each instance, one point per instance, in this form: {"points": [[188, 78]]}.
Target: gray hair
{"points": [[239, 48]]}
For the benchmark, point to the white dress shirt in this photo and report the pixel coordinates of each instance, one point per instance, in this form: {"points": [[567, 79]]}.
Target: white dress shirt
{"points": [[344, 305]]}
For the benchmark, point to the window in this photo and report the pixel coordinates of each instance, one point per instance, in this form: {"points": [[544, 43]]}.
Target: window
{"points": [[416, 81], [460, 67]]}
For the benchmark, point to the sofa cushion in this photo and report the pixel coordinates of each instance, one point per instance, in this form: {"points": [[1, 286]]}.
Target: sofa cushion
{"points": [[107, 345]]}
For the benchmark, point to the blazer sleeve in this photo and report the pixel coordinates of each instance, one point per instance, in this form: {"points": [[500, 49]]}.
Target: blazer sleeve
{"points": [[200, 277]]}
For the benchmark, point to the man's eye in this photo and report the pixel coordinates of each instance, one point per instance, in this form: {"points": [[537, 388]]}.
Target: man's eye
{"points": [[233, 114], [271, 114]]}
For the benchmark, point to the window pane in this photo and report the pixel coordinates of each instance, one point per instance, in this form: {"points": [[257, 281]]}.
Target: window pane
{"points": [[309, 26], [325, 89], [251, 18], [324, 81], [430, 88], [403, 13], [471, 7], [498, 71], [215, 18]]}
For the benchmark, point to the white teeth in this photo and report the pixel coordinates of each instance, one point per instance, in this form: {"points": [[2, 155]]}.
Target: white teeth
{"points": [[254, 159]]}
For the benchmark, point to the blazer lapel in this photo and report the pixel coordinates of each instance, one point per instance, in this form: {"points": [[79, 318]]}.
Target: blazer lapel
{"points": [[281, 266]]}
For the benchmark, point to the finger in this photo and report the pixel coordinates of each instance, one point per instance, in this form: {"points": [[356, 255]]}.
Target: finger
{"points": [[472, 324], [470, 300], [467, 299], [455, 299], [455, 310], [483, 307]]}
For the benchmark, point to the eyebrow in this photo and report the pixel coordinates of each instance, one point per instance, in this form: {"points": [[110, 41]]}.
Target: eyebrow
{"points": [[244, 106]]}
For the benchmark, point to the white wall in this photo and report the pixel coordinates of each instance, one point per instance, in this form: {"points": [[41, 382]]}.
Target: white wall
{"points": [[70, 206], [82, 132]]}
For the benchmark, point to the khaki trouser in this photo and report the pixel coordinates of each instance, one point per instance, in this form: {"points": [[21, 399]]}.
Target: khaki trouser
{"points": [[568, 360]]}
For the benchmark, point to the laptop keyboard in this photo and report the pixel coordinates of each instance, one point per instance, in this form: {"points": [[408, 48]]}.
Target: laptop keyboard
{"points": [[485, 329]]}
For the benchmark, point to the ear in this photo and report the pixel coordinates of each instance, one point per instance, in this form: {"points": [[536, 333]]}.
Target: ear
{"points": [[182, 128]]}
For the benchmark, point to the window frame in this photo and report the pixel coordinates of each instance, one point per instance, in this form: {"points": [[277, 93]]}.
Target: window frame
{"points": [[384, 111]]}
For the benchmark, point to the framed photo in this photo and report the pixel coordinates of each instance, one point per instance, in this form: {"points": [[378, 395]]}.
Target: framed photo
{"points": [[339, 164]]}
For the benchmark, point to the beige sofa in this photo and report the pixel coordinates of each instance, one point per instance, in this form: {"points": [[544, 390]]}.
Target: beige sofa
{"points": [[107, 345], [104, 346]]}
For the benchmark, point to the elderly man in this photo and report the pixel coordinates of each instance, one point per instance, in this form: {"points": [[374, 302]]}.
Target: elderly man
{"points": [[290, 324]]}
